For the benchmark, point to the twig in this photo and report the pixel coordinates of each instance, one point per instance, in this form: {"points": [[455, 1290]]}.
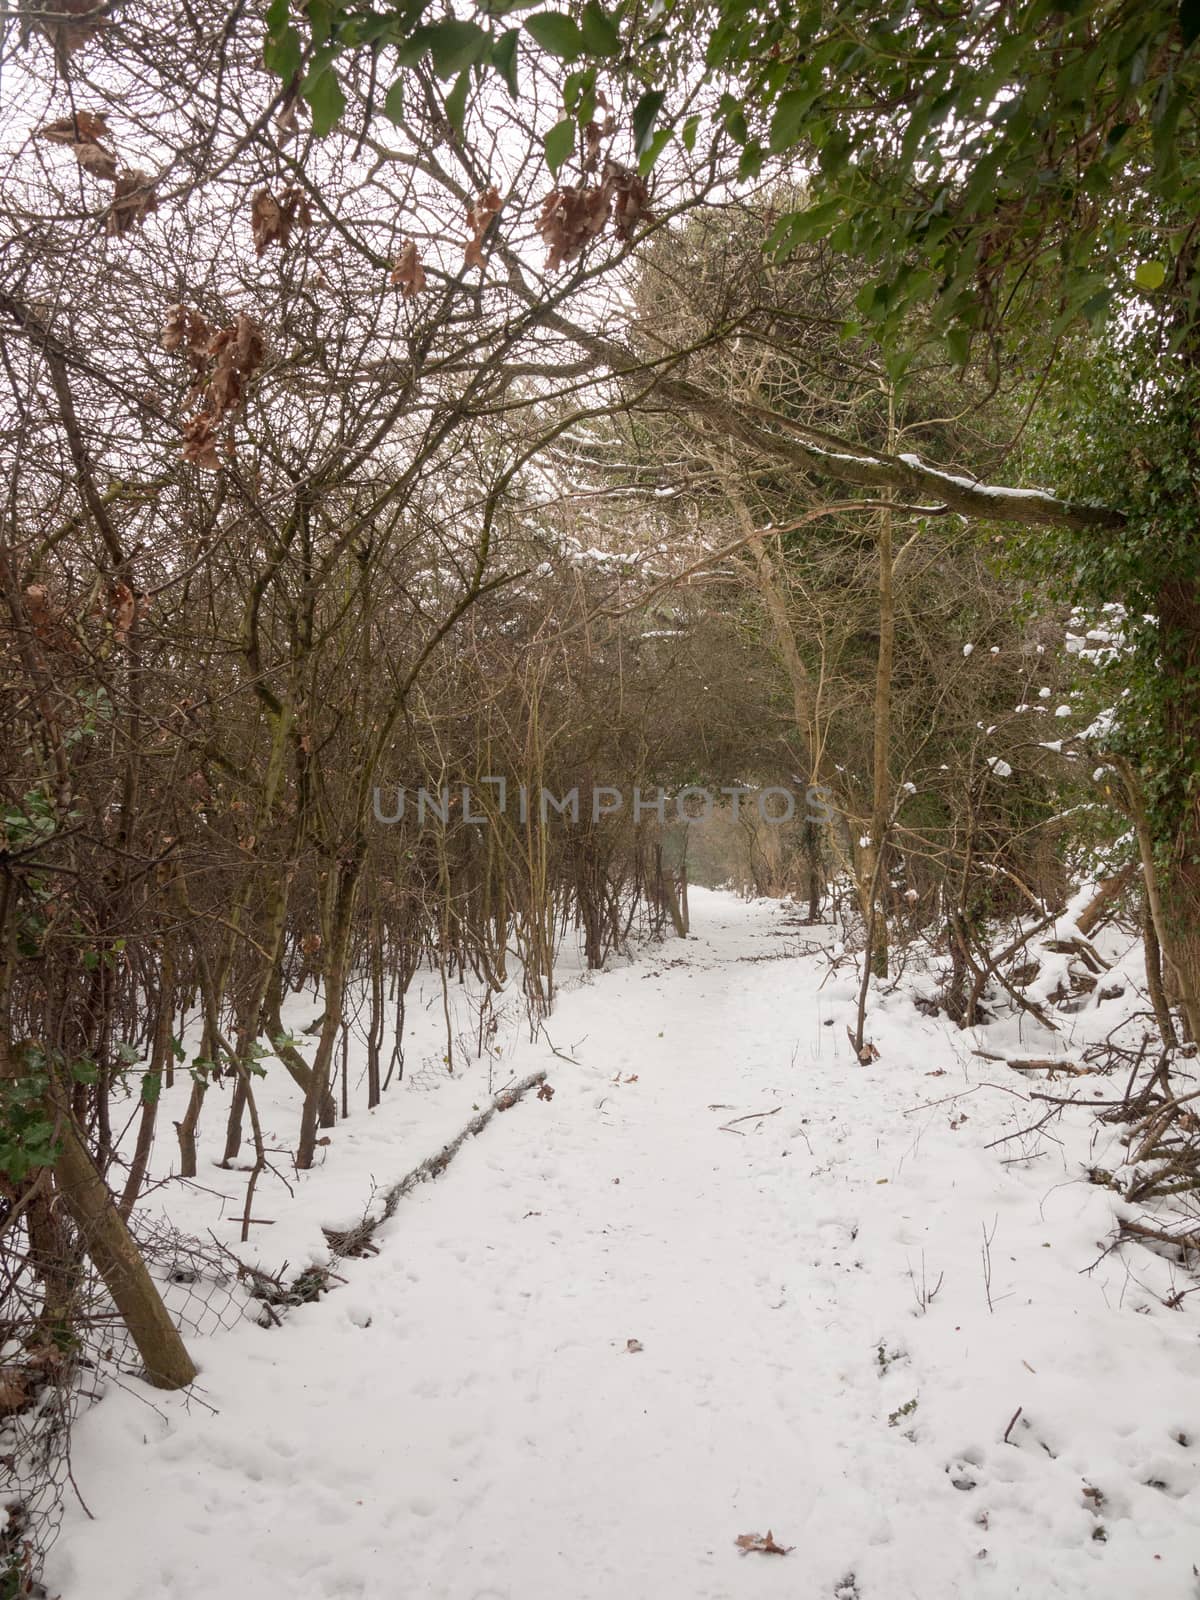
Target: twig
{"points": [[752, 1116]]}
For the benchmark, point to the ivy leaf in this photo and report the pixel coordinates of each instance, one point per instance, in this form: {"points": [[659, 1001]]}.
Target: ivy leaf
{"points": [[555, 33], [690, 128], [644, 115], [325, 100], [1149, 275], [559, 143]]}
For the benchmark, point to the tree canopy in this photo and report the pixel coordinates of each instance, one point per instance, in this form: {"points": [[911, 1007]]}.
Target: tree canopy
{"points": [[1040, 155]]}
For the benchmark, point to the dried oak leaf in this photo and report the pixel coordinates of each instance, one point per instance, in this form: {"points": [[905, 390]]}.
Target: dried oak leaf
{"points": [[545, 1092], [47, 618], [631, 199], [186, 330], [570, 219], [83, 134], [14, 1396], [37, 603], [272, 220], [199, 442], [479, 217], [122, 608], [223, 363], [407, 272], [592, 136], [764, 1543], [132, 202], [248, 345], [74, 23], [287, 120]]}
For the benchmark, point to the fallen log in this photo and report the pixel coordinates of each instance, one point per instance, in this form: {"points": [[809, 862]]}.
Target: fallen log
{"points": [[356, 1240]]}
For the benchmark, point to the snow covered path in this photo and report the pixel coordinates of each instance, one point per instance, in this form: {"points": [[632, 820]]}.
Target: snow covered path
{"points": [[466, 1418]]}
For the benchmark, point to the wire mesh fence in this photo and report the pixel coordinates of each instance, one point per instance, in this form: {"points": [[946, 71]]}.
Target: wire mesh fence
{"points": [[63, 1345]]}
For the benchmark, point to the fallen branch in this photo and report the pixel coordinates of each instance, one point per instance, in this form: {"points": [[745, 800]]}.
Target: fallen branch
{"points": [[1049, 1064], [1181, 1241], [353, 1241]]}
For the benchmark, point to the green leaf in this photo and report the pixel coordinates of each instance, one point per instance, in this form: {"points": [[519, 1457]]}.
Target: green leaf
{"points": [[454, 45], [1096, 307], [750, 164], [393, 105], [653, 150], [504, 59], [599, 32], [320, 19], [791, 114], [559, 144], [151, 1088], [644, 116], [325, 100], [1189, 21], [456, 102], [690, 129], [1149, 275], [277, 15], [958, 342], [555, 33], [283, 54]]}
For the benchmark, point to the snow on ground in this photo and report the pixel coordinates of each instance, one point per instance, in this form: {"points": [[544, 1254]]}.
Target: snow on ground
{"points": [[839, 1304]]}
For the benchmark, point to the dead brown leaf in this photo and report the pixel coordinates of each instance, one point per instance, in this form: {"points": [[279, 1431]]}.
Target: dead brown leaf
{"points": [[571, 218], [631, 199], [222, 362], [867, 1054], [634, 1346], [200, 443], [764, 1543], [287, 121], [47, 618], [83, 134], [132, 202], [70, 24], [14, 1396], [545, 1092], [272, 220], [122, 608], [188, 331], [479, 216], [407, 272]]}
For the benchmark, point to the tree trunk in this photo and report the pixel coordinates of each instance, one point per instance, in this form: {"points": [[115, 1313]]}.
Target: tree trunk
{"points": [[1179, 929], [119, 1262]]}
